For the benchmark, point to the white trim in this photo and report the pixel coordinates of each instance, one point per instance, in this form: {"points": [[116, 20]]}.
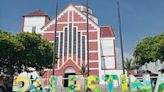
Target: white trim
{"points": [[89, 30], [69, 8], [93, 51], [58, 49], [107, 38], [72, 37], [68, 37], [63, 44], [85, 18], [99, 54], [93, 68], [53, 31], [93, 40], [72, 21], [48, 31], [90, 61], [53, 20], [67, 61], [72, 16]]}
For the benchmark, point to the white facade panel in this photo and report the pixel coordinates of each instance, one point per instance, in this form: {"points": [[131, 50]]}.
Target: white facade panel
{"points": [[108, 63], [107, 54], [107, 47], [38, 22]]}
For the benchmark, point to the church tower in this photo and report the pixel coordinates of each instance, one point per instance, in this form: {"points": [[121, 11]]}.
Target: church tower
{"points": [[34, 21]]}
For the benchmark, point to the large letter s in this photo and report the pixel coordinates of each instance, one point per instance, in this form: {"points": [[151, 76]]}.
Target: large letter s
{"points": [[95, 79]]}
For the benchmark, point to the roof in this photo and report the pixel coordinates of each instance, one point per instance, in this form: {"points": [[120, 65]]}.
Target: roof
{"points": [[70, 4], [106, 31], [36, 13]]}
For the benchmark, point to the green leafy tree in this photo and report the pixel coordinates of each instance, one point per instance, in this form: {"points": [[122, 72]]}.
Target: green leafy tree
{"points": [[160, 47], [150, 49], [10, 50], [83, 69], [24, 50], [37, 53]]}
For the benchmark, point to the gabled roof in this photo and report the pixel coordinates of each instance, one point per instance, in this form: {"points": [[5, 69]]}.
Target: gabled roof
{"points": [[106, 31], [36, 13], [90, 21]]}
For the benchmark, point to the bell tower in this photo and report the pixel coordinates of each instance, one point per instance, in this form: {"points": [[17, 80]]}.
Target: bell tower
{"points": [[34, 21]]}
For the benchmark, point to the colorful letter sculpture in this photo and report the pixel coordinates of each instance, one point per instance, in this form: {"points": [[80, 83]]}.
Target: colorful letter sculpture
{"points": [[136, 85], [21, 84], [24, 84], [37, 85], [52, 83], [72, 86], [109, 79], [90, 79], [160, 84], [147, 83], [124, 83]]}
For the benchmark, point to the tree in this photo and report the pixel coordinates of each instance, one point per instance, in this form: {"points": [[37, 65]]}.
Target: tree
{"points": [[130, 65], [24, 50], [38, 52], [150, 49], [10, 49], [160, 47], [83, 70]]}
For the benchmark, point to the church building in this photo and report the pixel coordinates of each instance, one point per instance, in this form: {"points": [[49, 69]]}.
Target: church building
{"points": [[71, 41]]}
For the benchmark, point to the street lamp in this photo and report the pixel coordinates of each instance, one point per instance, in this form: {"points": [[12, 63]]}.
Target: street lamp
{"points": [[87, 38], [54, 55], [120, 32]]}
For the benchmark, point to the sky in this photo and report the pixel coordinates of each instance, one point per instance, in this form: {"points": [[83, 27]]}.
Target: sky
{"points": [[139, 18]]}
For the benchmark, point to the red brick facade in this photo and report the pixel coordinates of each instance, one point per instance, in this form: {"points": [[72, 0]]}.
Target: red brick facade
{"points": [[72, 45], [73, 16]]}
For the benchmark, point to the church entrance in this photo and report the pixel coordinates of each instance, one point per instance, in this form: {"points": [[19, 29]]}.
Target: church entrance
{"points": [[66, 75], [68, 71]]}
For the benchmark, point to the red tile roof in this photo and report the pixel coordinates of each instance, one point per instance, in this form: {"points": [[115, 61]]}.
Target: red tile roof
{"points": [[106, 31], [36, 13]]}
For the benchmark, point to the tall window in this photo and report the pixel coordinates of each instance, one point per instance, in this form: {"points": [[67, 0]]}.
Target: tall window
{"points": [[74, 41], [79, 44], [70, 38], [34, 29], [56, 45], [61, 44], [65, 42], [83, 47]]}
